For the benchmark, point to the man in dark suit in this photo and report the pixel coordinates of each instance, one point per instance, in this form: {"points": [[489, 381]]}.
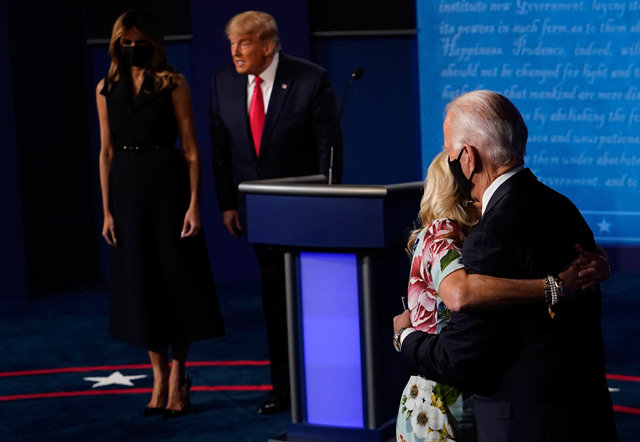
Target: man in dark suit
{"points": [[537, 372], [272, 116]]}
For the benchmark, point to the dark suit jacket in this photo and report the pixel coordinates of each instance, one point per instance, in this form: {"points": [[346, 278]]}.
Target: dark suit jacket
{"points": [[534, 378], [301, 124]]}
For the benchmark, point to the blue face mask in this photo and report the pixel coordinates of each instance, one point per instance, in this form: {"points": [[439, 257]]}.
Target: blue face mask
{"points": [[464, 183]]}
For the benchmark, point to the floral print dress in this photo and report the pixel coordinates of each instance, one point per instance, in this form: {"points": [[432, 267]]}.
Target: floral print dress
{"points": [[429, 410]]}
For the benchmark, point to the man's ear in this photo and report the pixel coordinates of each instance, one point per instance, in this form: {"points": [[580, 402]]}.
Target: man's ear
{"points": [[471, 159], [269, 48]]}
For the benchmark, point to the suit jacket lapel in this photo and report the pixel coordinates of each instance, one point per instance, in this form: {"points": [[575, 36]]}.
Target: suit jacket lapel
{"points": [[233, 98], [282, 85], [238, 107]]}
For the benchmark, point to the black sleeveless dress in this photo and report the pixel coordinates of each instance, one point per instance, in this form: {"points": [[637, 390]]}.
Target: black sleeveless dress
{"points": [[162, 288]]}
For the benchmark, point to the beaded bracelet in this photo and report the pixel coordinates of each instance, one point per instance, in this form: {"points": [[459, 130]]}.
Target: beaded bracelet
{"points": [[553, 291], [548, 297], [559, 288]]}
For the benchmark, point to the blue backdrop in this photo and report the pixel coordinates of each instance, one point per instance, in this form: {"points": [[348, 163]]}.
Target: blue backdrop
{"points": [[572, 69]]}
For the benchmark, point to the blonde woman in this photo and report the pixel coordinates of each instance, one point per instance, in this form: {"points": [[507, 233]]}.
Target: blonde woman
{"points": [[162, 291], [429, 410]]}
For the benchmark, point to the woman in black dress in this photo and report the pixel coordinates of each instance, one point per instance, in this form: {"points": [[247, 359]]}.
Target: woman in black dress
{"points": [[162, 289]]}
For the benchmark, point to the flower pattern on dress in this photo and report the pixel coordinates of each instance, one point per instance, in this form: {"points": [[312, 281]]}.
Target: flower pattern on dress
{"points": [[416, 394], [429, 415], [439, 244], [424, 413]]}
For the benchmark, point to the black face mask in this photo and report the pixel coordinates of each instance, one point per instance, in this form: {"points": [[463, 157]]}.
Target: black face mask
{"points": [[138, 56], [464, 183]]}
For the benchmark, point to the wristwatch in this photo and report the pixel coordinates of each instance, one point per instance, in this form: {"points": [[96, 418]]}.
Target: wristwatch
{"points": [[396, 339]]}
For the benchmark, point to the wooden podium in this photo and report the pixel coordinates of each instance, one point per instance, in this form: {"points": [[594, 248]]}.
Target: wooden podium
{"points": [[346, 269]]}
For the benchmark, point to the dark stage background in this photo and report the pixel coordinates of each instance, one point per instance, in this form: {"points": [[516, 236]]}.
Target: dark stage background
{"points": [[57, 52]]}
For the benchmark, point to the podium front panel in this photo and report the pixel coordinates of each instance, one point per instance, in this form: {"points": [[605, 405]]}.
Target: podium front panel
{"points": [[300, 221]]}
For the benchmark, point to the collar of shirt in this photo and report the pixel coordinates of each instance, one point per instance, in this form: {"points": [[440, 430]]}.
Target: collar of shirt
{"points": [[268, 77], [497, 183]]}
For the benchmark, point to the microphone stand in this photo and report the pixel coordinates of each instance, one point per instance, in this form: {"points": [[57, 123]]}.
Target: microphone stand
{"points": [[356, 74]]}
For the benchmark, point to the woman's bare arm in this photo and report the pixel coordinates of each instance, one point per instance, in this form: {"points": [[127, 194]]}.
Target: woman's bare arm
{"points": [[106, 155], [184, 116]]}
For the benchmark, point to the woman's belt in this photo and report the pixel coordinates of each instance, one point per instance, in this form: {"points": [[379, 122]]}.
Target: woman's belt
{"points": [[145, 147]]}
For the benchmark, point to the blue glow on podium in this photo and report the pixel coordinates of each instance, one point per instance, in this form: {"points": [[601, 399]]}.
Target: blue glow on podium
{"points": [[331, 339]]}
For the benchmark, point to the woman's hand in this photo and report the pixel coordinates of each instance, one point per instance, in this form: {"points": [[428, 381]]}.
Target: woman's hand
{"points": [[587, 271], [192, 224], [109, 230]]}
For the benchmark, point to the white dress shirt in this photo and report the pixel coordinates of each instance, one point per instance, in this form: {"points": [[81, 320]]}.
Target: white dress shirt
{"points": [[268, 77]]}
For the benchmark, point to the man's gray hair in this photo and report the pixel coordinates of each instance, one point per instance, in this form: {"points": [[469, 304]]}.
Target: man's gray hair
{"points": [[491, 123]]}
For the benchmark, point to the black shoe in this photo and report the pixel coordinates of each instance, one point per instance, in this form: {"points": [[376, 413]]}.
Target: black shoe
{"points": [[275, 403], [153, 411], [171, 414]]}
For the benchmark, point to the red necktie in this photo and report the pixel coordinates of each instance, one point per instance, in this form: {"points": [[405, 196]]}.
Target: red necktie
{"points": [[256, 114]]}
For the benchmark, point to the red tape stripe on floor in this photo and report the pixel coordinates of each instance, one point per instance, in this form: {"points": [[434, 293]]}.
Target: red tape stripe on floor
{"points": [[623, 377], [126, 367], [623, 409], [61, 394]]}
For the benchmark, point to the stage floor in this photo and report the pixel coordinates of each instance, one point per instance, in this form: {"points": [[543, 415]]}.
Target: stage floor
{"points": [[63, 378]]}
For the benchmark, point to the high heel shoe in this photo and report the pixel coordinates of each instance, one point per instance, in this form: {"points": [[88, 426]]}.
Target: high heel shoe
{"points": [[171, 414], [153, 411]]}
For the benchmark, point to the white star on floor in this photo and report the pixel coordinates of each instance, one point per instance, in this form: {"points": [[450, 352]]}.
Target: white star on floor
{"points": [[115, 378], [604, 226]]}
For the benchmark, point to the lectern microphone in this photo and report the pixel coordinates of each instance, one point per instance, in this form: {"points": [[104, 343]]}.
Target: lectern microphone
{"points": [[356, 74]]}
